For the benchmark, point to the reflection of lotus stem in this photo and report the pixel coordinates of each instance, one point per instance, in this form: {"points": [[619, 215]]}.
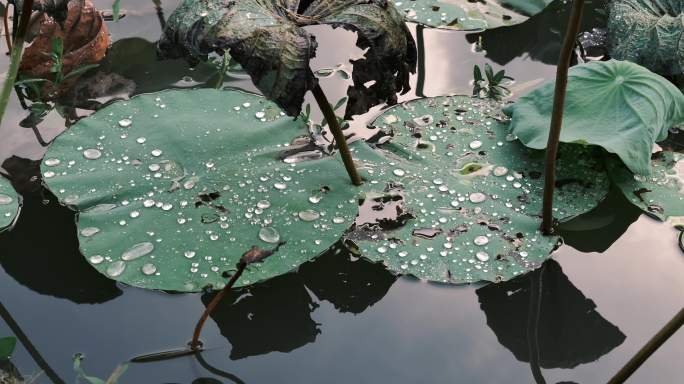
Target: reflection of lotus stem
{"points": [[647, 350], [195, 344], [5, 20], [160, 13], [28, 345], [336, 130], [15, 60], [420, 42], [533, 314], [557, 116]]}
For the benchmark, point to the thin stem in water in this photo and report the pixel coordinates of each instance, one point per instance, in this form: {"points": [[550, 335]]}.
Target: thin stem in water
{"points": [[557, 116], [336, 130], [15, 60], [196, 344], [647, 350], [5, 20]]}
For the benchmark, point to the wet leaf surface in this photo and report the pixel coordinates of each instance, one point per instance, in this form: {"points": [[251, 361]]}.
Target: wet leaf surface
{"points": [[661, 194], [470, 193], [470, 15], [268, 40], [648, 32], [172, 188], [617, 105], [9, 204]]}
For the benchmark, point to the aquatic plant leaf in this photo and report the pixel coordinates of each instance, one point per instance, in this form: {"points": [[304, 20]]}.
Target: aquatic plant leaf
{"points": [[172, 188], [468, 194], [7, 345], [662, 193], [470, 15], [648, 32], [9, 204], [268, 40], [617, 105]]}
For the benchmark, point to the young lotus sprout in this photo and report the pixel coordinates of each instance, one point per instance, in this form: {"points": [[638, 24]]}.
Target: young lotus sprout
{"points": [[267, 38]]}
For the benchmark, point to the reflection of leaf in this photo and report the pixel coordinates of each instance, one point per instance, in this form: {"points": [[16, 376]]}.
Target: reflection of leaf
{"points": [[475, 189], [271, 316], [266, 37], [469, 14], [9, 204], [173, 187], [611, 219], [648, 32], [617, 105], [570, 332], [662, 193], [20, 251], [350, 284], [540, 37]]}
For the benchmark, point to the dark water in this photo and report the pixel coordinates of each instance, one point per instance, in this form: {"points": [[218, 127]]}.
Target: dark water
{"points": [[338, 320]]}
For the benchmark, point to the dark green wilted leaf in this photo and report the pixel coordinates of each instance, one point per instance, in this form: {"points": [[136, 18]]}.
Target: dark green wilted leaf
{"points": [[172, 188], [617, 105], [648, 32], [469, 195], [469, 14], [266, 37], [9, 204]]}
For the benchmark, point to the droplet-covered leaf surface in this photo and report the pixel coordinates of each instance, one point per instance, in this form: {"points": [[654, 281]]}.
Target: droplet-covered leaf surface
{"points": [[662, 193], [9, 204], [172, 188], [470, 15], [468, 192], [648, 32], [617, 105]]}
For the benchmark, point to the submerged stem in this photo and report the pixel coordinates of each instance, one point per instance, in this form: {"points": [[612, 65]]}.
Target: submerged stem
{"points": [[557, 116], [336, 130], [195, 344], [647, 350], [15, 60]]}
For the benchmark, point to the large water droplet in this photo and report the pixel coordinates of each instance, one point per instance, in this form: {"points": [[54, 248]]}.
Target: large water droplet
{"points": [[189, 254], [52, 162], [269, 235], [156, 152], [4, 199], [482, 256], [280, 186], [338, 220], [137, 251], [309, 215], [314, 199], [90, 231], [399, 172], [500, 171], [125, 123], [477, 197], [97, 259], [263, 204], [475, 144], [92, 154], [116, 268], [481, 240], [149, 269]]}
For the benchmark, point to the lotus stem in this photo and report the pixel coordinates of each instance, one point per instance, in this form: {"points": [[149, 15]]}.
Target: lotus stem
{"points": [[196, 344], [647, 350], [557, 115], [15, 60], [8, 37], [336, 130]]}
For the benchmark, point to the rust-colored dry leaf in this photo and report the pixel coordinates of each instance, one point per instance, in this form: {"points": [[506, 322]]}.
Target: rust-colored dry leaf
{"points": [[85, 37]]}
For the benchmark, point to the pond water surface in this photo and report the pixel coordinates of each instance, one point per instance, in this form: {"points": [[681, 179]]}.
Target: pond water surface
{"points": [[338, 319]]}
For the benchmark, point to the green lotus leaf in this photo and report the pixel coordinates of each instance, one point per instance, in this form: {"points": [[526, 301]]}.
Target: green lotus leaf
{"points": [[470, 15], [648, 32], [9, 204], [662, 193], [617, 105], [268, 39], [172, 188], [467, 192]]}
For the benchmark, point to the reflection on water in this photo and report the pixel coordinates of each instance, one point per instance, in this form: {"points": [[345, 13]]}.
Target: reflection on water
{"points": [[570, 331], [275, 315], [346, 319]]}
